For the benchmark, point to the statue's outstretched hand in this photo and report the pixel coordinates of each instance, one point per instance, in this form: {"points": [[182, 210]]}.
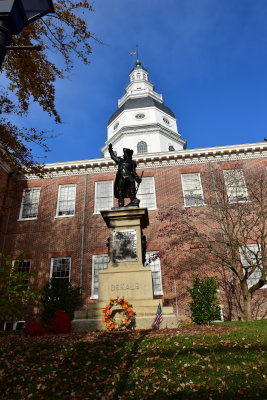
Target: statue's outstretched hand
{"points": [[110, 147]]}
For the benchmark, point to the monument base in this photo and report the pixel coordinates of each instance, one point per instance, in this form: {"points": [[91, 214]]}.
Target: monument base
{"points": [[90, 319], [132, 284], [126, 275]]}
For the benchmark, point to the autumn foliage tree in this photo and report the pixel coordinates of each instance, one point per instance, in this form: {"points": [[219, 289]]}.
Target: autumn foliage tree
{"points": [[227, 233], [32, 75], [17, 292]]}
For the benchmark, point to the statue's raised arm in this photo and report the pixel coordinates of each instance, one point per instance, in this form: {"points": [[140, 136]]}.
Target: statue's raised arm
{"points": [[112, 154]]}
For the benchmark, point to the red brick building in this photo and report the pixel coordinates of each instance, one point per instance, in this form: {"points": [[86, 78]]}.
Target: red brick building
{"points": [[56, 220]]}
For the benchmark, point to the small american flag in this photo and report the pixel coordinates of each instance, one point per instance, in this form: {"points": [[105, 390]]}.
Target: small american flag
{"points": [[159, 317], [133, 53]]}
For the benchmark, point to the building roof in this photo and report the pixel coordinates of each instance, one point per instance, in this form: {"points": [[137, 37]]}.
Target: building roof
{"points": [[141, 102], [138, 65]]}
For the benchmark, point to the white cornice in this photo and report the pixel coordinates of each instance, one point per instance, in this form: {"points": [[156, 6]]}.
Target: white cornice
{"points": [[157, 160], [137, 95], [140, 129]]}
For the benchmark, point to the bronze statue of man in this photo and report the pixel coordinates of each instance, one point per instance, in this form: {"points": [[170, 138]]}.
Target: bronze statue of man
{"points": [[126, 177]]}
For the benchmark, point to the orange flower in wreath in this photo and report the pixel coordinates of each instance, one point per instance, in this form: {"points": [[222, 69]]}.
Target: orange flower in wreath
{"points": [[127, 309]]}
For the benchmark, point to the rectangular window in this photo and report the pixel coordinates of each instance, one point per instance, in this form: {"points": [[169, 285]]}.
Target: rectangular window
{"points": [[235, 185], [192, 190], [146, 193], [19, 325], [66, 200], [60, 268], [103, 196], [250, 255], [22, 267], [99, 263], [154, 265], [11, 325], [29, 204]]}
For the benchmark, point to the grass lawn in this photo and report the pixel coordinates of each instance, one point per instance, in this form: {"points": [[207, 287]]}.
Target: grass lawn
{"points": [[225, 361]]}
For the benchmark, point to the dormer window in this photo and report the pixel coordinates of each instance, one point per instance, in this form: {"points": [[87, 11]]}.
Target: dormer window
{"points": [[140, 116], [138, 75], [116, 126], [141, 147], [166, 120]]}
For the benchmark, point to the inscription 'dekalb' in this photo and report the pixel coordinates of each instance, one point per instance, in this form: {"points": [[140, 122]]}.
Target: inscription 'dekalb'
{"points": [[125, 286]]}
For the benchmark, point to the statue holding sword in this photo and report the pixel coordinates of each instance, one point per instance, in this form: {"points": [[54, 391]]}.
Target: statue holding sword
{"points": [[126, 177]]}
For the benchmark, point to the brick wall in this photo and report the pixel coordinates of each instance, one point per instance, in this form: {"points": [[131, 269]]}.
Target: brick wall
{"points": [[5, 179], [48, 236]]}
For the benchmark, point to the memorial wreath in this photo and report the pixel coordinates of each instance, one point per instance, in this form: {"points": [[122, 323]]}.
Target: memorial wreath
{"points": [[127, 318]]}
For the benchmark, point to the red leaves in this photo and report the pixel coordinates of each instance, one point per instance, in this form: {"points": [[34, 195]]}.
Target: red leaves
{"points": [[128, 365], [60, 323], [35, 328]]}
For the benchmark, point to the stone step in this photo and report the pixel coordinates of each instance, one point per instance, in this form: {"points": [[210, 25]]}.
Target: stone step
{"points": [[144, 310], [142, 322]]}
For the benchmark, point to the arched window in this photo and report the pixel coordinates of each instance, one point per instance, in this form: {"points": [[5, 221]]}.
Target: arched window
{"points": [[142, 147]]}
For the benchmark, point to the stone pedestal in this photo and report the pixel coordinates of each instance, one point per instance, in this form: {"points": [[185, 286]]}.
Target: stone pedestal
{"points": [[126, 275]]}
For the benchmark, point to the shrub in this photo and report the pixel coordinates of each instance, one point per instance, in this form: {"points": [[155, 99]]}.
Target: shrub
{"points": [[60, 323], [35, 328], [205, 305], [59, 294], [17, 292]]}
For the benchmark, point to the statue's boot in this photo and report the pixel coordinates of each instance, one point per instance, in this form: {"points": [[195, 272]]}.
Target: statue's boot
{"points": [[134, 202]]}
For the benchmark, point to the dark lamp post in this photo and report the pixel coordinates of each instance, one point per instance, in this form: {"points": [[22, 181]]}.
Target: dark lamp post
{"points": [[15, 15]]}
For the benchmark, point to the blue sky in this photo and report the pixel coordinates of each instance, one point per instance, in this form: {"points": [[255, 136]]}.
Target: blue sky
{"points": [[207, 57]]}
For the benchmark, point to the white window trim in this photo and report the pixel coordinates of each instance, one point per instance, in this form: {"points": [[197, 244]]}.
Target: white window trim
{"points": [[27, 219], [98, 212], [26, 260], [233, 201], [242, 258], [221, 314], [14, 324], [58, 195], [141, 143], [160, 292], [51, 266], [193, 205], [94, 296], [21, 205], [155, 196]]}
